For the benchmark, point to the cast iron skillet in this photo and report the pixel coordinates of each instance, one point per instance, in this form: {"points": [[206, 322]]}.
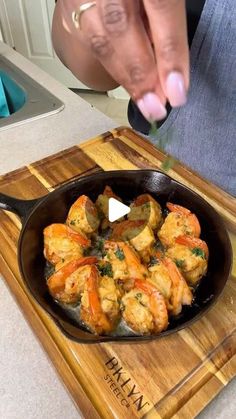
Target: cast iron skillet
{"points": [[37, 214]]}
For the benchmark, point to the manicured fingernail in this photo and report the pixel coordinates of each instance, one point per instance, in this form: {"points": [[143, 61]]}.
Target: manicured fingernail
{"points": [[175, 89], [151, 107]]}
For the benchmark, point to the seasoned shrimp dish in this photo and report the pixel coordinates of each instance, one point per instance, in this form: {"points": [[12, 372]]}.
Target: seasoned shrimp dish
{"points": [[130, 277]]}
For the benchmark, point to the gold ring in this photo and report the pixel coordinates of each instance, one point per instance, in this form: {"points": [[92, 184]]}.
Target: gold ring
{"points": [[76, 14]]}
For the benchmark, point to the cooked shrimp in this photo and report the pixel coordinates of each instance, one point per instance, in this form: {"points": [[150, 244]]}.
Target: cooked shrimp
{"points": [[160, 277], [96, 311], [141, 272], [191, 255], [144, 308], [109, 295], [157, 304], [138, 233], [67, 283], [136, 312], [180, 292], [194, 243], [147, 209], [62, 243], [83, 215], [125, 261], [135, 267], [192, 220], [178, 222], [116, 257]]}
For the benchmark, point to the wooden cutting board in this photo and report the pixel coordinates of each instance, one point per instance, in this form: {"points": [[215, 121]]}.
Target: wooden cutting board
{"points": [[176, 376]]}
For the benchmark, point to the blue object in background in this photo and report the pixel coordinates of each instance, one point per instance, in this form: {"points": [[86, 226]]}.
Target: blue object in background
{"points": [[12, 96], [4, 110]]}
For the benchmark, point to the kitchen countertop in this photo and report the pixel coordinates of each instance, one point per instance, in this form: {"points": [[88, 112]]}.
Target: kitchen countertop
{"points": [[37, 139], [29, 385]]}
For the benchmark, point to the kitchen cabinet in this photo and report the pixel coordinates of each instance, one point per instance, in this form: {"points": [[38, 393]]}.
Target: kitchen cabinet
{"points": [[26, 26]]}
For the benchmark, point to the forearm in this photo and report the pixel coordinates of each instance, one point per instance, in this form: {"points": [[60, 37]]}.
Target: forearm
{"points": [[75, 55]]}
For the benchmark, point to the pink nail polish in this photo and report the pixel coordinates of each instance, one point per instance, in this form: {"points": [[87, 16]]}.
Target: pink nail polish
{"points": [[151, 107], [175, 89]]}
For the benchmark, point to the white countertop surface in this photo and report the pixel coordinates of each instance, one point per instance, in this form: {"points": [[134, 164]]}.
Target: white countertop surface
{"points": [[29, 385], [34, 140]]}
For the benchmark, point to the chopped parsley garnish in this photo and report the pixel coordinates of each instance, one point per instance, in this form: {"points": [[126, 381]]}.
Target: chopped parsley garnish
{"points": [[167, 164], [165, 212], [153, 130], [179, 263], [87, 251], [153, 261], [138, 297], [49, 270], [122, 306], [119, 254], [100, 213], [161, 141], [72, 222], [100, 245], [159, 246], [197, 251], [106, 270]]}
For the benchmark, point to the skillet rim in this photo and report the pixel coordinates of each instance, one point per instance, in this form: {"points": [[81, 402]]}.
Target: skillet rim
{"points": [[132, 339]]}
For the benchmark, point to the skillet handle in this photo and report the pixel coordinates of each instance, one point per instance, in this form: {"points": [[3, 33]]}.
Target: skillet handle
{"points": [[20, 207]]}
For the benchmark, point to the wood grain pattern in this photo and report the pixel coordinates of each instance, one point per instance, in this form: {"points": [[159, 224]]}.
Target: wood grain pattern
{"points": [[173, 377]]}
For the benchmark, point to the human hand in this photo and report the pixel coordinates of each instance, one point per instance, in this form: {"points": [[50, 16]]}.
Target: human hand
{"points": [[143, 46]]}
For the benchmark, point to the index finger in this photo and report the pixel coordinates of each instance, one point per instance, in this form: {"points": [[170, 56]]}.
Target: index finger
{"points": [[167, 19]]}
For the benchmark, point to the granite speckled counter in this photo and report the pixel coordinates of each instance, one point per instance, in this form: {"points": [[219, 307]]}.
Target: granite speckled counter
{"points": [[29, 385]]}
